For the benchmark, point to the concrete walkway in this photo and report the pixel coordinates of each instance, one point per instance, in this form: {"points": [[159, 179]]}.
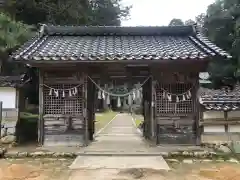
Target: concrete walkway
{"points": [[120, 136]]}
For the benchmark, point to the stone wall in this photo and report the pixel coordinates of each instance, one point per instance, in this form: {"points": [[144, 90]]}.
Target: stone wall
{"points": [[220, 128]]}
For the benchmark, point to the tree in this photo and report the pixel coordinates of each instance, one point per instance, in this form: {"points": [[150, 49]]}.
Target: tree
{"points": [[108, 12], [200, 19], [189, 22], [64, 12], [176, 22], [71, 12], [12, 34], [221, 25]]}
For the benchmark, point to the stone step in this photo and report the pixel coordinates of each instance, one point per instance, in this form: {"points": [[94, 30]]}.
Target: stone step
{"points": [[116, 162], [113, 153]]}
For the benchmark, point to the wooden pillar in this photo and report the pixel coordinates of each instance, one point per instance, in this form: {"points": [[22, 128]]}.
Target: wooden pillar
{"points": [[226, 120], [147, 96], [153, 118], [199, 127], [85, 114], [144, 110], [150, 109], [197, 111], [94, 108], [90, 102], [41, 109]]}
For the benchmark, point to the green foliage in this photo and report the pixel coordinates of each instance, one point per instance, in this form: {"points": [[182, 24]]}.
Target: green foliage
{"points": [[176, 22], [189, 22], [221, 25], [108, 12], [200, 19], [12, 33], [68, 12]]}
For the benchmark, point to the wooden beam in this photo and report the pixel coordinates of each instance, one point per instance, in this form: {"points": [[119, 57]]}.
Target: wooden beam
{"points": [[62, 63]]}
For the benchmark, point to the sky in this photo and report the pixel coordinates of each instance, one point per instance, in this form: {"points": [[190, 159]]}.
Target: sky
{"points": [[161, 12]]}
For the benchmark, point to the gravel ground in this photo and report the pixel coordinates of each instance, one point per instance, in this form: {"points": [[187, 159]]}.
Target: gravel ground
{"points": [[52, 169]]}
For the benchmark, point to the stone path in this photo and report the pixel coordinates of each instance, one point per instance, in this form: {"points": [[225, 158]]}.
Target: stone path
{"points": [[115, 147], [120, 135]]}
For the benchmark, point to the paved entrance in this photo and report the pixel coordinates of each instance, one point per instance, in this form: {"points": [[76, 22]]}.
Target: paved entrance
{"points": [[119, 136], [119, 145]]}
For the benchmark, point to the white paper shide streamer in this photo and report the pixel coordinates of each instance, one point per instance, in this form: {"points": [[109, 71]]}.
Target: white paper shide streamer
{"points": [[178, 97], [62, 92], [131, 95], [99, 94], [102, 93]]}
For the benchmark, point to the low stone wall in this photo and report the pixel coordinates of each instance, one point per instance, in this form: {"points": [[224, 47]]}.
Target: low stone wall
{"points": [[200, 155], [219, 128]]}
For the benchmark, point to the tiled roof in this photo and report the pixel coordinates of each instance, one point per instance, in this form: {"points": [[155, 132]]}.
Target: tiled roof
{"points": [[220, 99], [11, 81], [117, 43]]}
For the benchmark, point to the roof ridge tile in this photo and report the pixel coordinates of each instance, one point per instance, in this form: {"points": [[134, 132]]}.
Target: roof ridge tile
{"points": [[118, 30]]}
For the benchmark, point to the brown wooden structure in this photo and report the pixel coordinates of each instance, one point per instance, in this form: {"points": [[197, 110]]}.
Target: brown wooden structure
{"points": [[170, 57]]}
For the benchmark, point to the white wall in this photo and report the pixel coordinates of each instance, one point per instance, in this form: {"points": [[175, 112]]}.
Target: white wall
{"points": [[8, 97], [215, 130], [234, 114], [213, 115]]}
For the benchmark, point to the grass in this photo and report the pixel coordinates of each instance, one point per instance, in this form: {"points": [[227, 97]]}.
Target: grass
{"points": [[138, 122], [103, 118], [26, 115], [138, 119]]}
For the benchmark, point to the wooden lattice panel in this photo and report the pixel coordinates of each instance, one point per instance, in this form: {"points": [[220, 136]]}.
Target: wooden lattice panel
{"points": [[166, 107], [73, 105]]}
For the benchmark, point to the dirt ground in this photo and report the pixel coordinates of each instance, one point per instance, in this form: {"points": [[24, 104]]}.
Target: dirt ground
{"points": [[52, 169], [34, 169]]}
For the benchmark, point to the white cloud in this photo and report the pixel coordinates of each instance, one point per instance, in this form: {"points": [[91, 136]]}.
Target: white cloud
{"points": [[161, 12]]}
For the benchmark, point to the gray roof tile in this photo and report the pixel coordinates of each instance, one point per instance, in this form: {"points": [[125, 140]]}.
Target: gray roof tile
{"points": [[11, 81], [117, 43], [220, 99]]}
